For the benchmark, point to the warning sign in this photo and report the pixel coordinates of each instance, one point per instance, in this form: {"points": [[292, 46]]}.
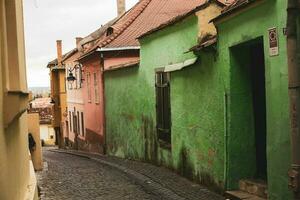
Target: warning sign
{"points": [[273, 42]]}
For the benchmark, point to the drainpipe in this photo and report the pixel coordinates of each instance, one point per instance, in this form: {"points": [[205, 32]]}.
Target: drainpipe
{"points": [[226, 141], [103, 102], [293, 11]]}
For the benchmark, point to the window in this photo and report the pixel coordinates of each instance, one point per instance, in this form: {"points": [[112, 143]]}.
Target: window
{"points": [[74, 123], [82, 123], [88, 82], [78, 123], [70, 119], [79, 77], [96, 88], [70, 85], [163, 108], [65, 83]]}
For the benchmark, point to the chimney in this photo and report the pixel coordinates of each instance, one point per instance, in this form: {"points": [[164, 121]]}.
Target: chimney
{"points": [[59, 52], [78, 39], [121, 7]]}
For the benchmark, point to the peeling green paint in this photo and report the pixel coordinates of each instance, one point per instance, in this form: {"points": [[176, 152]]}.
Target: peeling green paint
{"points": [[249, 25], [211, 112], [197, 128]]}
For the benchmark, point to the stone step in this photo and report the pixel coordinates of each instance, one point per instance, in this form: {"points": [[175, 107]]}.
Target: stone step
{"points": [[240, 195], [254, 187]]}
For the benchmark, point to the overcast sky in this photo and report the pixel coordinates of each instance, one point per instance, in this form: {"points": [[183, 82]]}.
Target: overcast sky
{"points": [[49, 20]]}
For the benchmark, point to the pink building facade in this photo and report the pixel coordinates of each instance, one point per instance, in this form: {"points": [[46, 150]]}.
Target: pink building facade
{"points": [[75, 132], [93, 97], [119, 59]]}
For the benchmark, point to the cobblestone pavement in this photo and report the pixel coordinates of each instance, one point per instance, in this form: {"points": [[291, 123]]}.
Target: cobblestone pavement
{"points": [[79, 175], [73, 177]]}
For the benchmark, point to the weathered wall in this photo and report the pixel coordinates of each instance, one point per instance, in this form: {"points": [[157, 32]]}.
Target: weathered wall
{"points": [[54, 80], [74, 97], [129, 112], [196, 103], [130, 105], [93, 118], [112, 59], [207, 136], [62, 94], [207, 29], [47, 134], [34, 129], [58, 94], [236, 31], [17, 178]]}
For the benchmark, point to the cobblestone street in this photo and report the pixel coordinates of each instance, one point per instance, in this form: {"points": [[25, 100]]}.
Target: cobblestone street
{"points": [[84, 176]]}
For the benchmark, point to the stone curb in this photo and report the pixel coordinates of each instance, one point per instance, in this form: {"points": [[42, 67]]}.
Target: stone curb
{"points": [[146, 182]]}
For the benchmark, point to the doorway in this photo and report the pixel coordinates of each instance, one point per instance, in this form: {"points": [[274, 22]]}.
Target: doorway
{"points": [[247, 144], [257, 73]]}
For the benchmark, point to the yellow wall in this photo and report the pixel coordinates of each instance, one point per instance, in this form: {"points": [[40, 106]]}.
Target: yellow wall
{"points": [[46, 132], [34, 129], [54, 78], [17, 179], [205, 15], [62, 94], [58, 94]]}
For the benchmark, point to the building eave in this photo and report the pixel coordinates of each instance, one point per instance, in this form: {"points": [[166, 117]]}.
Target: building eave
{"points": [[123, 65], [180, 17], [103, 49], [230, 13]]}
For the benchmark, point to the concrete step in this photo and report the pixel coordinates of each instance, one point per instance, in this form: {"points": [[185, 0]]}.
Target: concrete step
{"points": [[240, 195], [255, 187]]}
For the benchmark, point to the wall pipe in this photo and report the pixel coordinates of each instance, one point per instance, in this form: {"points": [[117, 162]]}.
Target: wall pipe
{"points": [[103, 102], [293, 10]]}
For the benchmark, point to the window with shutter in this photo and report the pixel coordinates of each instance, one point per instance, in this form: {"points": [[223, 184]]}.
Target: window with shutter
{"points": [[82, 123], [78, 123], [88, 82], [163, 107], [70, 123], [96, 88]]}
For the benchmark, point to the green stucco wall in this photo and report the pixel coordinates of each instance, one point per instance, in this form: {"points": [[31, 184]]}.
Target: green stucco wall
{"points": [[130, 96], [211, 111], [129, 109], [241, 28], [197, 127]]}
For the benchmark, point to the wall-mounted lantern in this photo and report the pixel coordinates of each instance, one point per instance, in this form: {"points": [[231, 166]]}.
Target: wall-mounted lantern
{"points": [[71, 78]]}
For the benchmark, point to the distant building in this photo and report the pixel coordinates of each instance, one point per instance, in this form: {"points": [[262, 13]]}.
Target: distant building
{"points": [[44, 107], [58, 94], [74, 132]]}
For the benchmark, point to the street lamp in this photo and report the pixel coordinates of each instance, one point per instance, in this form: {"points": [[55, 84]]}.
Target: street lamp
{"points": [[71, 78]]}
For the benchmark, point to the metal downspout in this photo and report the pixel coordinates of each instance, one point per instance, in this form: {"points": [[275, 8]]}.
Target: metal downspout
{"points": [[226, 156], [293, 11], [103, 102]]}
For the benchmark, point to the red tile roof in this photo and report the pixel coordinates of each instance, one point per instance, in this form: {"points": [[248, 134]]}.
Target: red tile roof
{"points": [[157, 12], [143, 17]]}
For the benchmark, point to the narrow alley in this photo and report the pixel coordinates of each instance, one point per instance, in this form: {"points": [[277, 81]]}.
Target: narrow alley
{"points": [[90, 176], [149, 99]]}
